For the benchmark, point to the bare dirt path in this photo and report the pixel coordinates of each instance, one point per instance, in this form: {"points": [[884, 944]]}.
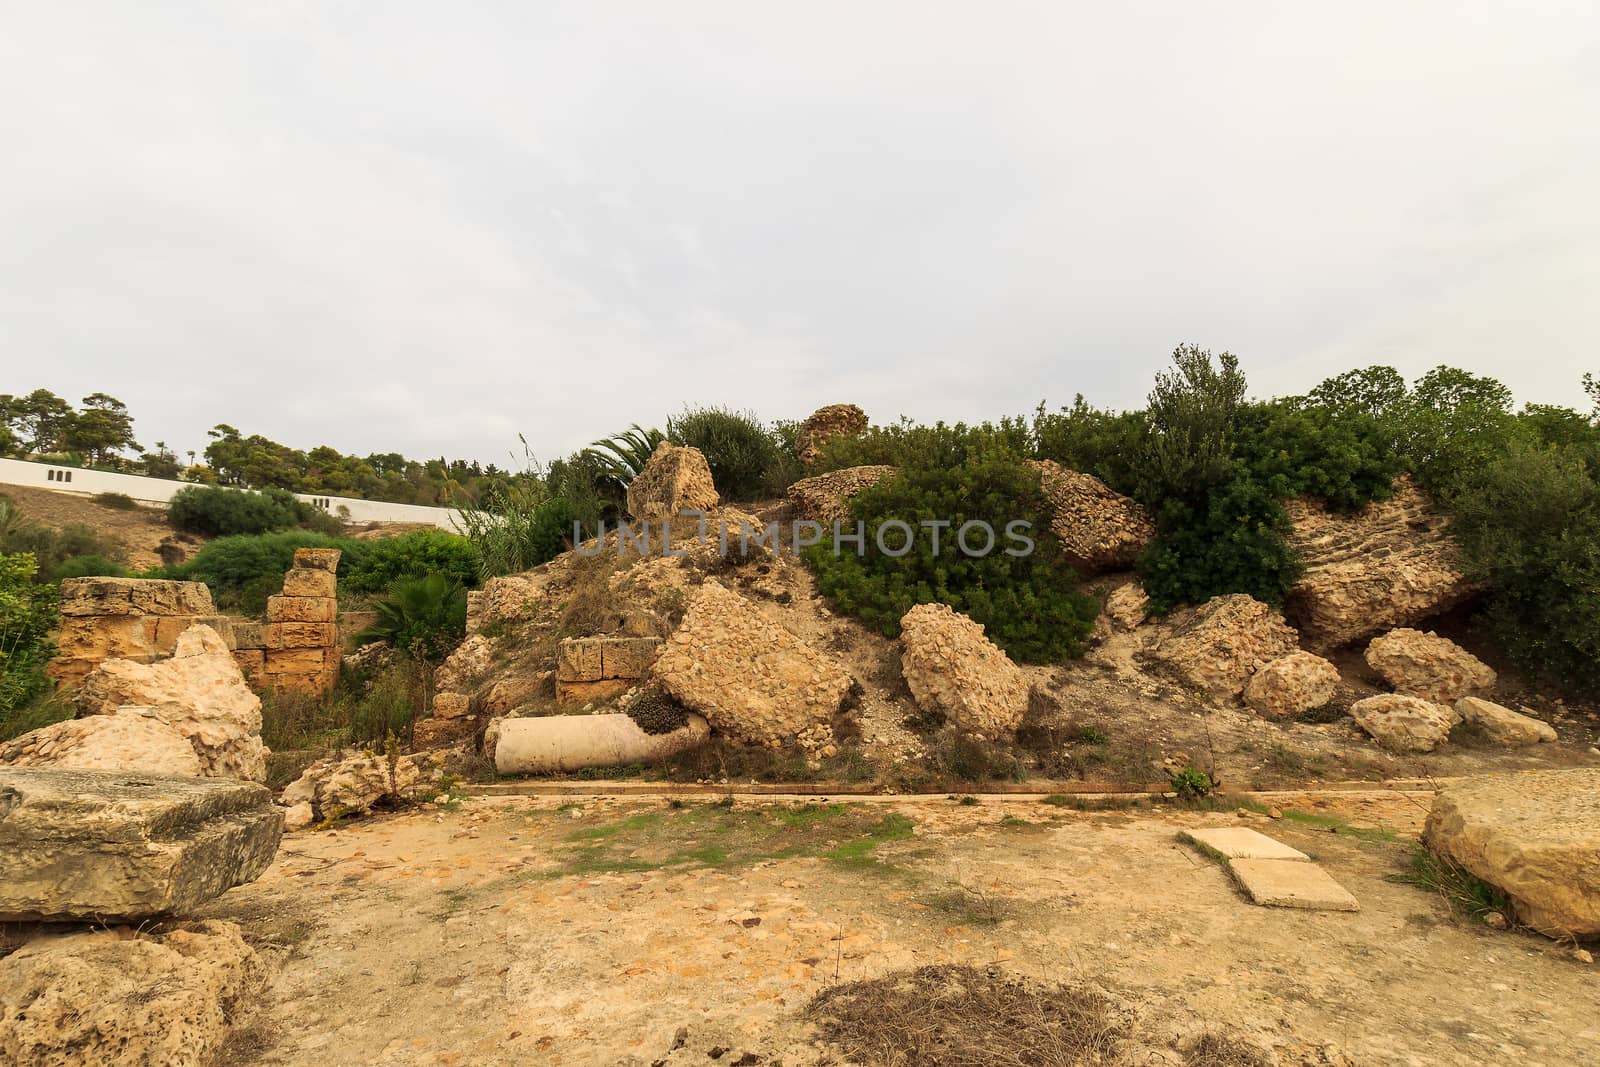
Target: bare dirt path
{"points": [[636, 931]]}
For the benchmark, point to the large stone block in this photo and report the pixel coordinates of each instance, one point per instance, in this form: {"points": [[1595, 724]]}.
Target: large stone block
{"points": [[1099, 528], [674, 479], [594, 659], [578, 660], [296, 660], [301, 609], [310, 583], [277, 635], [953, 669], [134, 596], [317, 559], [1535, 836], [114, 846]]}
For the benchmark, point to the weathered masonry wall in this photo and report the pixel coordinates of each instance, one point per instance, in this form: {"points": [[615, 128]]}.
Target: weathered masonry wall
{"points": [[297, 649], [593, 668], [127, 618]]}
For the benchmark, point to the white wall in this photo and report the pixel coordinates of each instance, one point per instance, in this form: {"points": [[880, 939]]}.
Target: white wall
{"points": [[160, 490]]}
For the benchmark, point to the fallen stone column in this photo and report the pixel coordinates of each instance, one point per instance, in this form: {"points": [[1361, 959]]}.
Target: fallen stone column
{"points": [[571, 742], [113, 846]]}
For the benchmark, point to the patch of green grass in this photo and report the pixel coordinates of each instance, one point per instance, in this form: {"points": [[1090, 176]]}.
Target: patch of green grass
{"points": [[1012, 822], [681, 836], [631, 823], [1464, 893], [1089, 735], [1092, 803], [858, 854], [1333, 824], [969, 906]]}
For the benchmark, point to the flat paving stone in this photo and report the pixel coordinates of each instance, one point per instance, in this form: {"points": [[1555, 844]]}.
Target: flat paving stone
{"points": [[1241, 843], [1291, 884]]}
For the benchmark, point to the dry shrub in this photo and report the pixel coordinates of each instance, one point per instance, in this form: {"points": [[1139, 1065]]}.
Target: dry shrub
{"points": [[1220, 1050], [955, 1016]]}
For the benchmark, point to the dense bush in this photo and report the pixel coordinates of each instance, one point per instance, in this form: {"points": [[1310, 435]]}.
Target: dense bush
{"points": [[216, 512], [1295, 448], [1225, 537], [1029, 604], [243, 571], [87, 567], [424, 618], [1105, 444], [1219, 529], [53, 550], [412, 555], [1530, 523], [27, 615], [746, 458], [520, 528], [905, 444]]}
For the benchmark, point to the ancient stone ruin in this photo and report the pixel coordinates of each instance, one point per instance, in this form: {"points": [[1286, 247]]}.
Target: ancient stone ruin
{"points": [[137, 619]]}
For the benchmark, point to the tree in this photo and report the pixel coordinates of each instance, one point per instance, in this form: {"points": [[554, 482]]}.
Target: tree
{"points": [[102, 429], [43, 418], [1378, 391]]}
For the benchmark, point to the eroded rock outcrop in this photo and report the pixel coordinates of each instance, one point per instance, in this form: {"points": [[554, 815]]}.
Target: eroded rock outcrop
{"points": [[129, 739], [1126, 606], [823, 425], [954, 670], [676, 478], [1402, 723], [1428, 666], [1390, 564], [348, 786], [1291, 685], [120, 997], [1535, 836], [825, 498], [1217, 646], [1099, 528], [752, 679], [200, 692], [103, 845]]}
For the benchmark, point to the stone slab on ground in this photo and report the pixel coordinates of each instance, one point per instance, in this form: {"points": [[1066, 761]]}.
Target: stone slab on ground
{"points": [[1288, 883], [113, 845], [1241, 843]]}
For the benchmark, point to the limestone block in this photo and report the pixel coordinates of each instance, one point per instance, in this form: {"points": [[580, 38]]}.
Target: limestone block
{"points": [[301, 609], [318, 559], [281, 635], [310, 583], [111, 845], [578, 659], [296, 660]]}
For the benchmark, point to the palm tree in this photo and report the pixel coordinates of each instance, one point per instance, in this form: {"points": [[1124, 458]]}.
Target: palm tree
{"points": [[622, 456]]}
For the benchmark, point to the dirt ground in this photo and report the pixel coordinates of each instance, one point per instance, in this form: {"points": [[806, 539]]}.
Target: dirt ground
{"points": [[628, 931]]}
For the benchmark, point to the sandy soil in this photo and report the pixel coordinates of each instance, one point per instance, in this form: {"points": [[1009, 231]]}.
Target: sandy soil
{"points": [[610, 931]]}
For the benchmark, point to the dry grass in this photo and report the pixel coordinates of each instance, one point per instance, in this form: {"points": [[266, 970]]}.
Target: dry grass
{"points": [[954, 1016]]}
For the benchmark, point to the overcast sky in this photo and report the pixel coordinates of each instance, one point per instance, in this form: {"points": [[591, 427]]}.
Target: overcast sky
{"points": [[428, 227]]}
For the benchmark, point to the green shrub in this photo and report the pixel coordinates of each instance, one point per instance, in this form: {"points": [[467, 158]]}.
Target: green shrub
{"points": [[215, 512], [1227, 537], [1029, 604], [87, 567], [1105, 444], [743, 454], [1529, 521], [905, 444], [1218, 528], [423, 618], [243, 571], [27, 616], [520, 528], [119, 501], [51, 548], [1299, 449], [413, 555]]}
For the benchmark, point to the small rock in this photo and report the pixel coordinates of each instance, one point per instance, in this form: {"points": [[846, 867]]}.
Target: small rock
{"points": [[1583, 955], [1494, 920], [1274, 813]]}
